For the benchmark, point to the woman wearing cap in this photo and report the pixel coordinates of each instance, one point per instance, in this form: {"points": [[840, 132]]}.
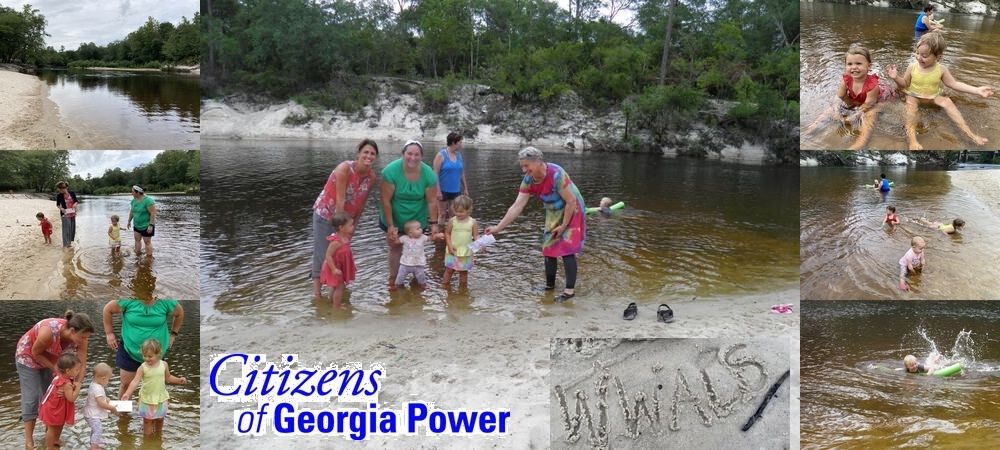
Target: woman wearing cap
{"points": [[66, 201], [565, 223], [409, 192], [346, 190], [144, 213]]}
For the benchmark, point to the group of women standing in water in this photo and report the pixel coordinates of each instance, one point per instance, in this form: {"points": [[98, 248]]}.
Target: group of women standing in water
{"points": [[412, 190]]}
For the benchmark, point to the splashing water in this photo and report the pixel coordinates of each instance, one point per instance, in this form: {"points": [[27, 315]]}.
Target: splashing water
{"points": [[962, 351]]}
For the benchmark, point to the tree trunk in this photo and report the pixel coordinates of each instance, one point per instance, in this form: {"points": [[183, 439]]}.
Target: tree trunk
{"points": [[666, 43]]}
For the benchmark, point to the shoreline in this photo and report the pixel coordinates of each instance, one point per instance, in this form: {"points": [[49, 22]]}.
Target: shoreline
{"points": [[29, 269], [982, 184], [32, 120], [477, 361]]}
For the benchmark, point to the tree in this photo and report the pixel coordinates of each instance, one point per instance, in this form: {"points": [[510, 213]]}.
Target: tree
{"points": [[22, 34], [43, 168]]}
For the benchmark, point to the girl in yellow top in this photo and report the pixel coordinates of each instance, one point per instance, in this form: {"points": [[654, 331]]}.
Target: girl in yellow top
{"points": [[459, 233], [115, 235], [922, 82], [153, 396]]}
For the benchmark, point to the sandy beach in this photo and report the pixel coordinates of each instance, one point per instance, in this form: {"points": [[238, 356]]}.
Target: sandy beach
{"points": [[983, 184], [30, 121], [29, 269], [476, 361]]}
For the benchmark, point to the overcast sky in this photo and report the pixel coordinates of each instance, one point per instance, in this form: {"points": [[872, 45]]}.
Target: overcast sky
{"points": [[75, 22], [95, 162]]}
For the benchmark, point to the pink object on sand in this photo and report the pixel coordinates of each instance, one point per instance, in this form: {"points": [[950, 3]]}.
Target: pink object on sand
{"points": [[782, 309]]}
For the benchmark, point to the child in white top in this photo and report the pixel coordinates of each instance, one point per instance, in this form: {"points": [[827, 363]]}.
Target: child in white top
{"points": [[912, 261], [97, 406], [413, 260]]}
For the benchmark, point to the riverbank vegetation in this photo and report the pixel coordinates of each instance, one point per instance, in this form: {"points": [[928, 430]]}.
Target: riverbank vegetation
{"points": [[959, 6], [886, 157], [39, 170], [669, 66], [154, 45]]}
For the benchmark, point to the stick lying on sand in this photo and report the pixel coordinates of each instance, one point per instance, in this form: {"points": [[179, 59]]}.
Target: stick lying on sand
{"points": [[767, 398]]}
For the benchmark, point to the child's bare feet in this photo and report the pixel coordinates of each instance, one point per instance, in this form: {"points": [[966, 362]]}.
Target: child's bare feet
{"points": [[914, 145], [979, 140], [903, 286]]}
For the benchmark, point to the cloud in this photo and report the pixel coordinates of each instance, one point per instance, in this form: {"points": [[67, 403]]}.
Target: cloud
{"points": [[96, 162]]}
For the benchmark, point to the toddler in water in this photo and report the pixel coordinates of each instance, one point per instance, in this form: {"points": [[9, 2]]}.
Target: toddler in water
{"points": [[56, 411], [911, 365], [114, 235], [338, 266], [153, 396], [459, 233], [882, 184], [945, 228], [413, 259], [859, 90], [46, 228], [97, 406], [891, 217], [923, 80], [912, 261]]}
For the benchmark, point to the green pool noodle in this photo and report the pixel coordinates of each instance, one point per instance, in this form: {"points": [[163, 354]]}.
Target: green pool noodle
{"points": [[891, 183], [614, 207], [948, 370]]}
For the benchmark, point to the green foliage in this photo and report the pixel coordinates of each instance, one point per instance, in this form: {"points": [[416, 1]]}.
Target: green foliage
{"points": [[22, 35]]}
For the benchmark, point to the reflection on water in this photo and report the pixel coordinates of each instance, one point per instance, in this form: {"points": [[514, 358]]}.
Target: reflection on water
{"points": [[846, 255], [181, 429], [129, 110], [93, 272], [847, 402], [829, 29], [690, 228]]}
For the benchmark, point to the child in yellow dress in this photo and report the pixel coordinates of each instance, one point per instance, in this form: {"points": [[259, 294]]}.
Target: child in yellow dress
{"points": [[459, 233]]}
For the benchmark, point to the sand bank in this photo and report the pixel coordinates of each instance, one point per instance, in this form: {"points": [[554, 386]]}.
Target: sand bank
{"points": [[30, 121], [29, 269], [477, 361], [983, 184]]}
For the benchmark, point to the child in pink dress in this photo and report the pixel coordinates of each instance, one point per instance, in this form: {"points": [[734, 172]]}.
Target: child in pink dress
{"points": [[56, 411], [338, 266]]}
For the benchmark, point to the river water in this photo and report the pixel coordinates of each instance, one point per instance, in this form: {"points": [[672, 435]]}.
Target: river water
{"points": [[92, 272], [849, 402], [690, 228], [972, 55], [181, 429], [117, 109], [846, 255]]}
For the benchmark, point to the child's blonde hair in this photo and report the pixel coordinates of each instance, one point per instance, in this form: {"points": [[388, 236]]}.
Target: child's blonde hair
{"points": [[606, 201], [909, 359], [934, 42], [67, 361], [858, 49], [917, 241], [114, 218], [152, 346], [101, 369], [411, 225], [462, 201]]}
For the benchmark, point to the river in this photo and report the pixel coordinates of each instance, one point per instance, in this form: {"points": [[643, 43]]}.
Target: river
{"points": [[92, 272], [829, 29], [690, 228], [849, 401], [118, 109], [847, 255]]}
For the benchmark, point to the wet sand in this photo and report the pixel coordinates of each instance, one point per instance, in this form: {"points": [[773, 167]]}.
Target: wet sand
{"points": [[30, 120], [29, 269], [983, 184], [476, 361]]}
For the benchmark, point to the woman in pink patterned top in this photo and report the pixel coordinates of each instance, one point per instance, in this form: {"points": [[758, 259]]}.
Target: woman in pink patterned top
{"points": [[346, 190]]}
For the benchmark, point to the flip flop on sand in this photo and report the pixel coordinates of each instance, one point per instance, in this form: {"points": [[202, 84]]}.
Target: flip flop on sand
{"points": [[664, 313], [782, 309], [564, 296], [631, 311]]}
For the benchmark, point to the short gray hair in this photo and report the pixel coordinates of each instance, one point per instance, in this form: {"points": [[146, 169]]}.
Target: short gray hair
{"points": [[531, 153]]}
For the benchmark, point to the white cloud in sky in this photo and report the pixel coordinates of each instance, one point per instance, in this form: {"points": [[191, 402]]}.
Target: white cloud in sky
{"points": [[75, 22], [95, 162]]}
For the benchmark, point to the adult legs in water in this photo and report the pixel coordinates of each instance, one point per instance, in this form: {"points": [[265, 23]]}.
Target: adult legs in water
{"points": [[569, 264]]}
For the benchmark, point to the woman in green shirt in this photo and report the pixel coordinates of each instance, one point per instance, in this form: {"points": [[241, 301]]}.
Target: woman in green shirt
{"points": [[144, 225], [409, 192], [141, 320]]}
